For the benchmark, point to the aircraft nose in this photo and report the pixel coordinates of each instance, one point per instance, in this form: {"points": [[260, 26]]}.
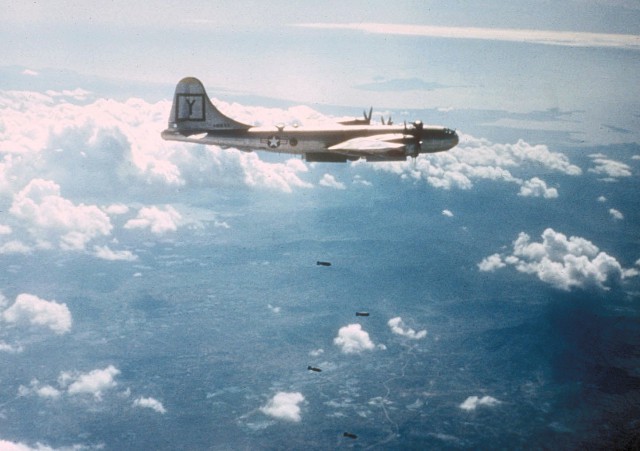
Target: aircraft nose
{"points": [[452, 137]]}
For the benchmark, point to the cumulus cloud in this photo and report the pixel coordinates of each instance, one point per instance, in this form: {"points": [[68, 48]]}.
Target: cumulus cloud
{"points": [[330, 181], [447, 213], [94, 382], [116, 209], [611, 169], [158, 221], [106, 145], [479, 159], [9, 348], [602, 199], [14, 247], [398, 327], [537, 188], [473, 402], [491, 263], [562, 262], [37, 389], [75, 383], [150, 403], [105, 253], [358, 180], [32, 310], [352, 339], [50, 217], [279, 176], [284, 406], [616, 214]]}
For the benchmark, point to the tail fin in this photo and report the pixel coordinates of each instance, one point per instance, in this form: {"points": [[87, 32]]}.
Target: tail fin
{"points": [[192, 111]]}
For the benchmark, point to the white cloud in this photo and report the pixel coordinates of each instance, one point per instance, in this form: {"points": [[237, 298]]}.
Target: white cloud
{"points": [[14, 247], [150, 403], [29, 72], [116, 209], [358, 180], [109, 146], [537, 188], [491, 263], [398, 327], [105, 253], [616, 214], [284, 406], [447, 213], [562, 262], [549, 37], [472, 402], [278, 176], [316, 352], [42, 391], [11, 349], [479, 159], [602, 199], [330, 181], [93, 383], [5, 229], [352, 339], [39, 312], [157, 220], [6, 445], [609, 168], [51, 217]]}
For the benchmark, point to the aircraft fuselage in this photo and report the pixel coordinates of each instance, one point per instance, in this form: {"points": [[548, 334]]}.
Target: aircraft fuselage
{"points": [[195, 119]]}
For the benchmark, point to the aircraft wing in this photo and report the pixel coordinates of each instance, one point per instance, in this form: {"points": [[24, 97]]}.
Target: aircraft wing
{"points": [[370, 145]]}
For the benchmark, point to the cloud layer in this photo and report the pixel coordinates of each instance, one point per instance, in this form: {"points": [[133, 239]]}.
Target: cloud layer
{"points": [[479, 159], [548, 37]]}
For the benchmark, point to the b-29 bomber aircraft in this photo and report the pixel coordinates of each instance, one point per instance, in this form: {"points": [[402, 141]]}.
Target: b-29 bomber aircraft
{"points": [[195, 119]]}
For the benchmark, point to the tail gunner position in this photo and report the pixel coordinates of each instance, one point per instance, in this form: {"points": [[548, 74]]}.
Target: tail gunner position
{"points": [[195, 119]]}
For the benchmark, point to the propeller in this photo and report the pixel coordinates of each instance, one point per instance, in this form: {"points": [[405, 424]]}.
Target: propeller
{"points": [[418, 126], [389, 121], [367, 117]]}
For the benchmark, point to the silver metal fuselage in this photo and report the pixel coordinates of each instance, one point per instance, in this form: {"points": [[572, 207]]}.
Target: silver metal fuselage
{"points": [[308, 140]]}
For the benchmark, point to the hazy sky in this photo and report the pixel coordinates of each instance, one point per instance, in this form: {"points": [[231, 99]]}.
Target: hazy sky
{"points": [[250, 42]]}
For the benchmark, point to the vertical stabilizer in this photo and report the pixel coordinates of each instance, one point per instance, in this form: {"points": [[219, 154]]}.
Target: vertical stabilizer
{"points": [[192, 111]]}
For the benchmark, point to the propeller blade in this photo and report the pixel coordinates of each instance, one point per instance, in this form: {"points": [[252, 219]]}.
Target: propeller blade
{"points": [[367, 117]]}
